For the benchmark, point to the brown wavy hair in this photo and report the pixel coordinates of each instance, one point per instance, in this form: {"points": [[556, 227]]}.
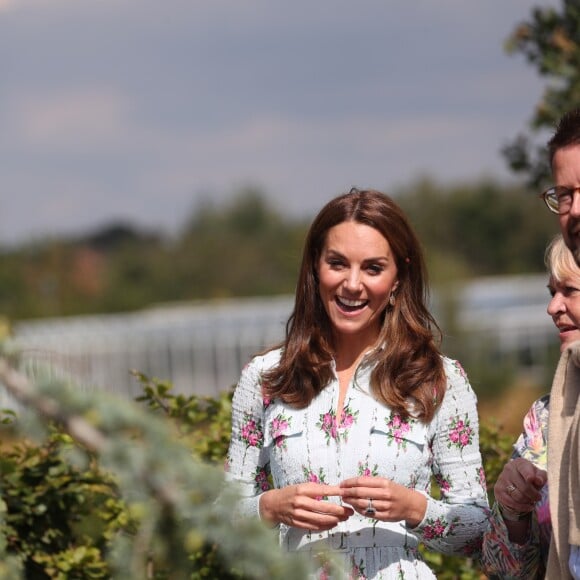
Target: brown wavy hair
{"points": [[408, 362]]}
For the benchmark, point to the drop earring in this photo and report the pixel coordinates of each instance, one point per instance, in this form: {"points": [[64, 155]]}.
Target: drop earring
{"points": [[392, 299]]}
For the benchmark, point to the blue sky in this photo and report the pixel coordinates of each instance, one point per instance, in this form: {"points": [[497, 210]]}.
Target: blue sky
{"points": [[135, 110]]}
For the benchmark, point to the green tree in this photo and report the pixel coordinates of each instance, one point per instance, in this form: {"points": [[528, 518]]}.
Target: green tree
{"points": [[480, 229], [244, 248], [550, 41]]}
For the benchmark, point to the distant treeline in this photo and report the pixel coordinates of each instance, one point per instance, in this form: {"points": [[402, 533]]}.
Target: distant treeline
{"points": [[248, 248]]}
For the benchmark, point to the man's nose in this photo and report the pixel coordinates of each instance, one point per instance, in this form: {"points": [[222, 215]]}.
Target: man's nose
{"points": [[575, 207]]}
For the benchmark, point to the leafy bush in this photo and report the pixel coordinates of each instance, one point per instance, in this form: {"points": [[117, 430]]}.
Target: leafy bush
{"points": [[59, 518], [204, 422], [171, 514]]}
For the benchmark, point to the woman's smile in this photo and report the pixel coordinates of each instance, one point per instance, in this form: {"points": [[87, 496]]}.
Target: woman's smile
{"points": [[350, 306]]}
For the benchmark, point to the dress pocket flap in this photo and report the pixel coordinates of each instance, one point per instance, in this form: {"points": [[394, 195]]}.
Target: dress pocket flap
{"points": [[402, 431], [282, 422]]}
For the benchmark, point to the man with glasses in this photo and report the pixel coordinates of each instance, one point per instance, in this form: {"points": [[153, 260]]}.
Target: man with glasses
{"points": [[564, 155], [564, 416]]}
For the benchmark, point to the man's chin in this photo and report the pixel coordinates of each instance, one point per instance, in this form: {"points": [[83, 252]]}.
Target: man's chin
{"points": [[576, 254], [572, 240]]}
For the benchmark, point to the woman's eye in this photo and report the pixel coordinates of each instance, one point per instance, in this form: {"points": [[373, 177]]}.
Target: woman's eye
{"points": [[335, 264], [375, 269]]}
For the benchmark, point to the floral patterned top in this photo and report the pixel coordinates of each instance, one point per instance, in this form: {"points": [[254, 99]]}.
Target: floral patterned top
{"points": [[294, 446], [500, 556]]}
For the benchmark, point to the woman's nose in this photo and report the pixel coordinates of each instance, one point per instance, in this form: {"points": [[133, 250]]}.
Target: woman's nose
{"points": [[555, 305], [352, 281]]}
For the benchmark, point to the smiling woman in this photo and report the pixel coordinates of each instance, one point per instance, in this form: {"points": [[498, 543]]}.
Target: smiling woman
{"points": [[564, 287], [337, 432], [517, 542]]}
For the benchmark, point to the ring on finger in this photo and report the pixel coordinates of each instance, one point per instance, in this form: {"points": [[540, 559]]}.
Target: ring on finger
{"points": [[510, 489], [370, 511]]}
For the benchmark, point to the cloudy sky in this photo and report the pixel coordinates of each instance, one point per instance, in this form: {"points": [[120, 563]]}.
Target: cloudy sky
{"points": [[137, 109]]}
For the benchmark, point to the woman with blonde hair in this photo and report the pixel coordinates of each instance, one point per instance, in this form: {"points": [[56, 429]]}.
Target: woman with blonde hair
{"points": [[518, 540]]}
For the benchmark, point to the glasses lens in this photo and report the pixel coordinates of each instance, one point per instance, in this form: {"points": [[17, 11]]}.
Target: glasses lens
{"points": [[563, 197], [551, 198]]}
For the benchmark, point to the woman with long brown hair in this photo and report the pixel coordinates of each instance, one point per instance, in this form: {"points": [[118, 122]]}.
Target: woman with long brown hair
{"points": [[337, 431]]}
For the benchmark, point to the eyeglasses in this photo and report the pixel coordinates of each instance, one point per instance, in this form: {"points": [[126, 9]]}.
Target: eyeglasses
{"points": [[559, 198]]}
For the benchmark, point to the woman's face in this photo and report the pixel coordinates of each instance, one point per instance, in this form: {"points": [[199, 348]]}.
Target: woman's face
{"points": [[564, 308], [357, 274]]}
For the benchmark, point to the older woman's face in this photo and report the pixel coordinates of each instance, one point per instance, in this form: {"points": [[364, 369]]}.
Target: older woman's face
{"points": [[564, 308]]}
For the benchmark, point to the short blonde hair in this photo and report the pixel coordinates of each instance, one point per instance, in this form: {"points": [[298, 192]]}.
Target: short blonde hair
{"points": [[560, 261]]}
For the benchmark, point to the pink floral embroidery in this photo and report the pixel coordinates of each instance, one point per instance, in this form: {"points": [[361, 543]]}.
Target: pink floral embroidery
{"points": [[251, 432], [363, 469], [398, 428], [278, 426], [472, 548], [261, 479], [312, 476], [444, 483], [438, 528], [325, 572], [357, 571], [328, 423], [481, 477], [460, 433]]}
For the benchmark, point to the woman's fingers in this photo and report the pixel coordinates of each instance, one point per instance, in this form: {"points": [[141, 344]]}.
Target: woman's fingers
{"points": [[519, 485], [363, 481], [321, 517], [305, 506], [383, 499]]}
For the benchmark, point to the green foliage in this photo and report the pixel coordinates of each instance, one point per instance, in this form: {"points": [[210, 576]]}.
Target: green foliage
{"points": [[496, 450], [121, 496], [550, 42], [59, 518], [242, 249], [204, 421], [485, 230]]}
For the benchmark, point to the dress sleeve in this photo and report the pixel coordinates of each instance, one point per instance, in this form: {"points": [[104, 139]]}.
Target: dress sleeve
{"points": [[454, 524], [500, 556], [247, 461]]}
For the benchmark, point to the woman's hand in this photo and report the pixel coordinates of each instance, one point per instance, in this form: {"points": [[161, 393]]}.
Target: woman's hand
{"points": [[519, 484], [392, 502], [517, 489], [303, 506]]}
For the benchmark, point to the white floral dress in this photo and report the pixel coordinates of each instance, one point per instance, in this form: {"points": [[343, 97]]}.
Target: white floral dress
{"points": [[269, 438]]}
